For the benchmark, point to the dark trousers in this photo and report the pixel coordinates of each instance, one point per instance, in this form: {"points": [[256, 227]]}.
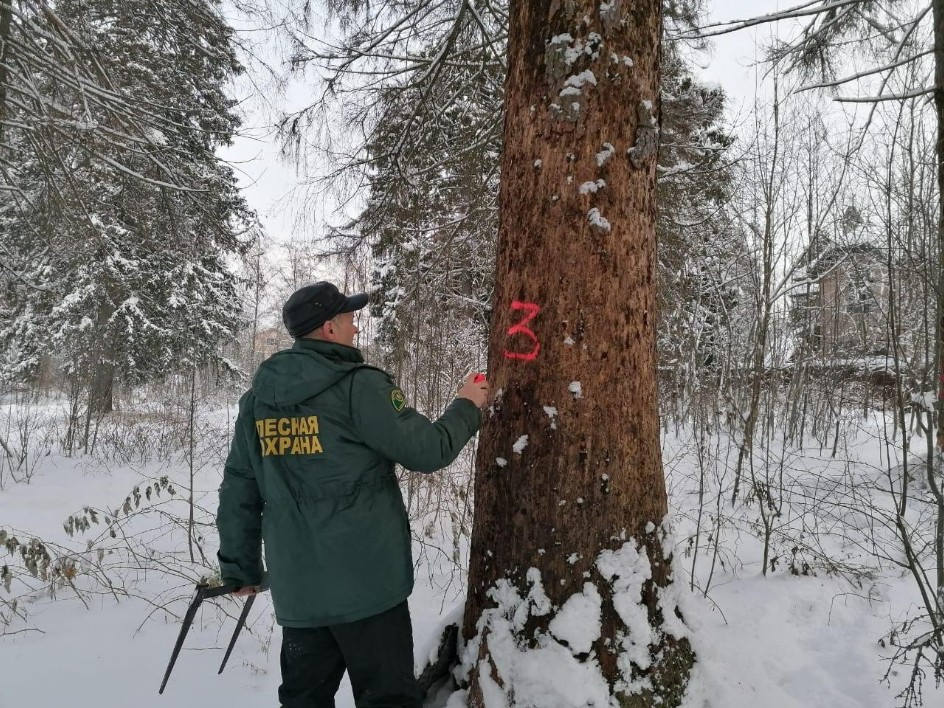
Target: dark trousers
{"points": [[377, 653]]}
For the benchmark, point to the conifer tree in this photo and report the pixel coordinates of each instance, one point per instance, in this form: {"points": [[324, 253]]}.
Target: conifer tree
{"points": [[568, 539], [118, 218]]}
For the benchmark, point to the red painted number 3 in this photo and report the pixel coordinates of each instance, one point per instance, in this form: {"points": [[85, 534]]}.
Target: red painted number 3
{"points": [[532, 311]]}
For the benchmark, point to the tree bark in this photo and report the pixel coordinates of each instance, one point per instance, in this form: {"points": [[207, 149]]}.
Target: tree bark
{"points": [[101, 371], [572, 356], [938, 10], [102, 389]]}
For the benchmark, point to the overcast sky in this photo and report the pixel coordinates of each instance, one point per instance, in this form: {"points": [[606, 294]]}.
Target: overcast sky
{"points": [[268, 182], [733, 57]]}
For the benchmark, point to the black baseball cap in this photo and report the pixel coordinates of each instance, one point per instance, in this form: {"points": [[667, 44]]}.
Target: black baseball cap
{"points": [[311, 306]]}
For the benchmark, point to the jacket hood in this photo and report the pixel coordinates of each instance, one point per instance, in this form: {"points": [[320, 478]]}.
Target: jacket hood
{"points": [[302, 372]]}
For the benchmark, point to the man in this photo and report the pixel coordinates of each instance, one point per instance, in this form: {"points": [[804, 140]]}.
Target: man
{"points": [[311, 471]]}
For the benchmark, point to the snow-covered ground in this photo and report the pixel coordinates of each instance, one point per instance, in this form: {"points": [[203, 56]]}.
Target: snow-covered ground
{"points": [[781, 641]]}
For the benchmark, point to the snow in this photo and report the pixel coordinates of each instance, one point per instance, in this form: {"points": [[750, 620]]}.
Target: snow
{"points": [[156, 136], [501, 461], [578, 80], [492, 694], [605, 154], [627, 569], [597, 220], [924, 401], [575, 388], [520, 444], [578, 621], [780, 641], [564, 38], [548, 675], [807, 648], [591, 187]]}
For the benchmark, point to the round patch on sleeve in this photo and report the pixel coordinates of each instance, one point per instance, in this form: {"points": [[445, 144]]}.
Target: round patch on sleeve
{"points": [[397, 399]]}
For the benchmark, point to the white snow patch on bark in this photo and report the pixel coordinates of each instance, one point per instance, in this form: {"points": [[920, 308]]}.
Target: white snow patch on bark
{"points": [[539, 602], [501, 461], [605, 154], [597, 220], [492, 694], [459, 699], [575, 388], [627, 569], [578, 80], [520, 444], [578, 621], [591, 187]]}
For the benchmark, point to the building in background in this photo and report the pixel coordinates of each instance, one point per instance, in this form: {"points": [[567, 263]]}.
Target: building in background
{"points": [[839, 302], [268, 341]]}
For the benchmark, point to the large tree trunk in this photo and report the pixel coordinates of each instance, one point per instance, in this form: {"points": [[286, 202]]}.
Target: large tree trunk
{"points": [[572, 353]]}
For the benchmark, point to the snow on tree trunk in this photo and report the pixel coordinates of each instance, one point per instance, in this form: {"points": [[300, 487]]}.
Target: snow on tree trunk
{"points": [[570, 592]]}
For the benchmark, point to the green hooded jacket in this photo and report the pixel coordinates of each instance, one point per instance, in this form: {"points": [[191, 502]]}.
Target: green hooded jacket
{"points": [[311, 472]]}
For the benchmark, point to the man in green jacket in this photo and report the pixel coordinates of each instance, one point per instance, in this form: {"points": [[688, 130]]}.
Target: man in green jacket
{"points": [[311, 472]]}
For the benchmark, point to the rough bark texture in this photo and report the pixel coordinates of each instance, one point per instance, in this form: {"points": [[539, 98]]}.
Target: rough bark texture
{"points": [[591, 474]]}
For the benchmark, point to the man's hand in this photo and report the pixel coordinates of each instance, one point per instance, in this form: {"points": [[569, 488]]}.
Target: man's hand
{"points": [[248, 590], [475, 391]]}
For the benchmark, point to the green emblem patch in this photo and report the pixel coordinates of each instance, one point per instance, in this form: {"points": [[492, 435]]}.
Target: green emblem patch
{"points": [[397, 399]]}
